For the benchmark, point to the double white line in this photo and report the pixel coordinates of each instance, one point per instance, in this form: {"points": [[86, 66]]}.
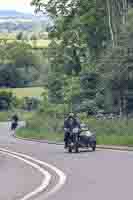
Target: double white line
{"points": [[37, 164]]}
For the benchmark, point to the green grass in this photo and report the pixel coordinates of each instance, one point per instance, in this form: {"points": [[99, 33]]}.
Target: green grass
{"points": [[115, 140], [43, 134], [25, 92], [108, 132], [40, 134], [5, 116], [58, 137]]}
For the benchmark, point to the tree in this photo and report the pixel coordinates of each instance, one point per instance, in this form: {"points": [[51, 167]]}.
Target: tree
{"points": [[19, 65], [115, 69], [34, 39], [79, 25], [91, 36], [6, 100], [117, 14], [55, 86], [19, 36]]}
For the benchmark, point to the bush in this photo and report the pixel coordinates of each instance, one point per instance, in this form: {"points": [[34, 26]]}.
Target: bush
{"points": [[6, 100], [30, 103], [89, 106], [109, 127]]}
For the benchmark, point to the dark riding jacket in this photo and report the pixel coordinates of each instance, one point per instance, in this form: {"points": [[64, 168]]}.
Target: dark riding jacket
{"points": [[70, 126]]}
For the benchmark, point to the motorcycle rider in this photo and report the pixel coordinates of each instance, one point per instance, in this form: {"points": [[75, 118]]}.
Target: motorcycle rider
{"points": [[15, 118], [14, 121], [70, 123]]}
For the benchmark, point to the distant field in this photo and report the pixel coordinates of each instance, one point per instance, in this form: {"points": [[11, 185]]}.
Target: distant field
{"points": [[39, 43], [7, 36], [33, 43], [11, 37], [26, 92]]}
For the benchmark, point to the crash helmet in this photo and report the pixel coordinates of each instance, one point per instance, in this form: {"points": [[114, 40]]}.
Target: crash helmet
{"points": [[71, 115]]}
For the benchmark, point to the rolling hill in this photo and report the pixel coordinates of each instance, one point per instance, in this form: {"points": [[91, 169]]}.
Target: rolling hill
{"points": [[14, 14], [14, 21]]}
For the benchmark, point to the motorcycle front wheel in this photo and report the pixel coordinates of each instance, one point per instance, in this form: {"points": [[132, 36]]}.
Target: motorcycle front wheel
{"points": [[70, 149], [76, 149]]}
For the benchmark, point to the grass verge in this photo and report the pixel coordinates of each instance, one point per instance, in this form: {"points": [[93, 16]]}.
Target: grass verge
{"points": [[41, 134], [108, 132], [5, 116], [25, 92], [58, 137]]}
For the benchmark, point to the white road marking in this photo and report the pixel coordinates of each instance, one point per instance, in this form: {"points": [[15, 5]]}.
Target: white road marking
{"points": [[116, 150], [46, 175], [61, 175]]}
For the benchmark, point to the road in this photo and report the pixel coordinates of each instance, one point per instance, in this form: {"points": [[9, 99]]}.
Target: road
{"points": [[100, 175]]}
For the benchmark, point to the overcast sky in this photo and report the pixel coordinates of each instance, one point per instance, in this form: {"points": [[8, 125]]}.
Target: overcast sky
{"points": [[19, 5]]}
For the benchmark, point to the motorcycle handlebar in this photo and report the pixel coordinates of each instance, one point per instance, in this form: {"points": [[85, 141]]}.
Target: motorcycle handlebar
{"points": [[67, 129]]}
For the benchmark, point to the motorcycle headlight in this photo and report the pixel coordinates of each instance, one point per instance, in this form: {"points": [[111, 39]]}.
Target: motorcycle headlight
{"points": [[75, 130]]}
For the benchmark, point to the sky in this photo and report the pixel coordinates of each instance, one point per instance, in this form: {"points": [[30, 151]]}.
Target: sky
{"points": [[19, 5]]}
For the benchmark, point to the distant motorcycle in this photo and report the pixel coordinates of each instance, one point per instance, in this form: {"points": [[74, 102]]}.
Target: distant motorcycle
{"points": [[81, 138]]}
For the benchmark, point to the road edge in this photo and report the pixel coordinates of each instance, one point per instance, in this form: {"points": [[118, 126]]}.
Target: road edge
{"points": [[111, 147]]}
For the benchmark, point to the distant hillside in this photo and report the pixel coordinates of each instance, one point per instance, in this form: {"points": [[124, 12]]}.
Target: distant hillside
{"points": [[14, 14], [12, 21]]}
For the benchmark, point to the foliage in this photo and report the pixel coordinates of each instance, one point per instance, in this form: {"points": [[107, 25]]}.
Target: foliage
{"points": [[30, 103], [6, 100], [19, 36], [78, 34], [55, 88], [19, 65], [88, 54], [116, 71]]}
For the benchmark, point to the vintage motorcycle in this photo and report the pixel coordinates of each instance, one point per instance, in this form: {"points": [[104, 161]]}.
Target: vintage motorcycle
{"points": [[81, 138]]}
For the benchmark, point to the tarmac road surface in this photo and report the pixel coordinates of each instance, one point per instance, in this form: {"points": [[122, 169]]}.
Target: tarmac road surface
{"points": [[100, 175]]}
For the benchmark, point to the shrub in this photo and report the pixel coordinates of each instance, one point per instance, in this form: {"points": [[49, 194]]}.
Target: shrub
{"points": [[6, 100], [30, 103]]}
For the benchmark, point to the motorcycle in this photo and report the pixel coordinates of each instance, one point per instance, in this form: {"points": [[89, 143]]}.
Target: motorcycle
{"points": [[81, 138]]}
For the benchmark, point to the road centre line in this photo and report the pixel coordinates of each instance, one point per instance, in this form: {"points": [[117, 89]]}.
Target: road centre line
{"points": [[61, 175], [46, 175]]}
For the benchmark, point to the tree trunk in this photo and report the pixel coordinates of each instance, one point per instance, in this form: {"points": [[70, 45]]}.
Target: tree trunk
{"points": [[121, 104], [110, 22]]}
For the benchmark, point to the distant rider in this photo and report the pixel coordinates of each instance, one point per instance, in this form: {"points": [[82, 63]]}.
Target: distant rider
{"points": [[70, 123], [14, 122]]}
